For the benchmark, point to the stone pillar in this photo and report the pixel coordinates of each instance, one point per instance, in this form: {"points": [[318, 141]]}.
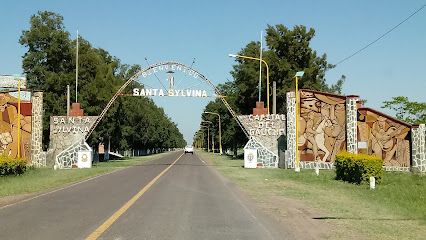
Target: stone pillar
{"points": [[291, 130], [418, 148], [351, 123], [38, 157]]}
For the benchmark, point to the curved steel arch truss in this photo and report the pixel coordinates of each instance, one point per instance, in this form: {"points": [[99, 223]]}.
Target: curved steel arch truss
{"points": [[134, 77]]}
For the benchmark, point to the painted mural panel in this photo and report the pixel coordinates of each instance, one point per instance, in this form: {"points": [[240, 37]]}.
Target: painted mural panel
{"points": [[321, 126], [9, 124], [385, 137]]}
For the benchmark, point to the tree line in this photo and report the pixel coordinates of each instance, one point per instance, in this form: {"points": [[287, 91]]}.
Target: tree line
{"points": [[50, 65], [287, 52]]}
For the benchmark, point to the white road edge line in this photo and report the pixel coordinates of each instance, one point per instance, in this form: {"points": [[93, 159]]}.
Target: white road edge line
{"points": [[68, 186], [243, 204], [200, 159]]}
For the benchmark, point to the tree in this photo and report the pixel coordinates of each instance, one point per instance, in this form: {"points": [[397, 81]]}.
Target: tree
{"points": [[48, 63], [410, 112], [50, 66], [288, 51], [232, 135]]}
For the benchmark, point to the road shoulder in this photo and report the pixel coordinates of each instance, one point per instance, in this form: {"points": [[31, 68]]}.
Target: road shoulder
{"points": [[285, 217]]}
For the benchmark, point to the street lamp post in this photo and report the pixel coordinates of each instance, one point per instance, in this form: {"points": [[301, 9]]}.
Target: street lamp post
{"points": [[208, 136], [18, 77], [298, 74], [220, 134], [197, 140], [202, 140], [267, 75], [204, 121]]}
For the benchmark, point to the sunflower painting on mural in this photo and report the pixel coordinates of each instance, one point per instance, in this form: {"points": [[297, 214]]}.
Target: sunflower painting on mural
{"points": [[9, 125], [321, 126]]}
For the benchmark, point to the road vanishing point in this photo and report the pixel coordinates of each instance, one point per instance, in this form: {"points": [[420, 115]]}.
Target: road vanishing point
{"points": [[177, 196]]}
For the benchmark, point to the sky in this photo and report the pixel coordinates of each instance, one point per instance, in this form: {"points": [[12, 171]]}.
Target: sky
{"points": [[208, 31]]}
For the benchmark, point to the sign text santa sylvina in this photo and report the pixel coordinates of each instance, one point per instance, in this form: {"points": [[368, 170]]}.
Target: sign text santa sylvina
{"points": [[75, 125], [264, 125], [170, 93]]}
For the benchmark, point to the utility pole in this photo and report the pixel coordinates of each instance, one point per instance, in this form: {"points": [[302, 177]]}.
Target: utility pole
{"points": [[274, 97], [76, 71], [68, 100], [213, 142]]}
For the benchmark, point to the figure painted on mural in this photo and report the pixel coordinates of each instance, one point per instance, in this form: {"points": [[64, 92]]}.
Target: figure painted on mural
{"points": [[320, 137], [333, 110], [384, 140], [322, 125], [9, 127], [310, 134]]}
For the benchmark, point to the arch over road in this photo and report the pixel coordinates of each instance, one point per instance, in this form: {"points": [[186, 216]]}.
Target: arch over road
{"points": [[152, 67]]}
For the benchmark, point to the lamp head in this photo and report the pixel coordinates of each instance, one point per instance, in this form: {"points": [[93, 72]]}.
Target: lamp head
{"points": [[232, 55], [299, 74]]}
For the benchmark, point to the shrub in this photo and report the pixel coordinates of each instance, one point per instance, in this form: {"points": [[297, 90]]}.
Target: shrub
{"points": [[358, 168], [10, 166]]}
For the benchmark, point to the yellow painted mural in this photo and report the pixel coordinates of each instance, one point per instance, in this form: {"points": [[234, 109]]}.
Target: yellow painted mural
{"points": [[9, 124]]}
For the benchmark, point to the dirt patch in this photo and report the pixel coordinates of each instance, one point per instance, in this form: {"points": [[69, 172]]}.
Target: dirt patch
{"points": [[293, 218], [7, 200], [302, 220]]}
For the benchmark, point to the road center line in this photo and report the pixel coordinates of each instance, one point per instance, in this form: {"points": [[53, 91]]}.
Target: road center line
{"points": [[126, 206]]}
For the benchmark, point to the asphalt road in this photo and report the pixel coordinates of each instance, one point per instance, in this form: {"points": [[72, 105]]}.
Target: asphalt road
{"points": [[161, 199]]}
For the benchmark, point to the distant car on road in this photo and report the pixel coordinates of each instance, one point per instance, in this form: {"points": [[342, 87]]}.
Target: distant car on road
{"points": [[189, 149]]}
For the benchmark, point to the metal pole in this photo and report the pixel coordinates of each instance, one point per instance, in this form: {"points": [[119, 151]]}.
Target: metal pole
{"points": [[76, 71], [213, 141], [68, 100], [297, 133], [274, 97], [267, 74], [260, 66], [208, 136], [267, 84], [220, 137], [19, 117]]}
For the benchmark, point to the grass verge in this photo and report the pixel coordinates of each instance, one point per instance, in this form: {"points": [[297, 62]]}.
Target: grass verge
{"points": [[42, 179], [396, 209]]}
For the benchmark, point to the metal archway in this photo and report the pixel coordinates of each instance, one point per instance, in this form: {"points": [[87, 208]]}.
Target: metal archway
{"points": [[154, 66]]}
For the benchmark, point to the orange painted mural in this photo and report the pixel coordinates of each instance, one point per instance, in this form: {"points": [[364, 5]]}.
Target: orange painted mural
{"points": [[385, 137], [9, 124], [321, 126]]}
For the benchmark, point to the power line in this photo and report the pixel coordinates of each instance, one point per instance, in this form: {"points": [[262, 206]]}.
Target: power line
{"points": [[184, 76], [156, 76], [382, 35]]}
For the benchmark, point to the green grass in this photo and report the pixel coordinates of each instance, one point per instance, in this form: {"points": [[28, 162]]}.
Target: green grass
{"points": [[42, 179], [396, 209]]}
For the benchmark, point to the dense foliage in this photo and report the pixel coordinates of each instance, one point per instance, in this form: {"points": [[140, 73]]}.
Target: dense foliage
{"points": [[12, 166], [50, 66], [286, 53], [410, 112], [232, 135], [358, 168]]}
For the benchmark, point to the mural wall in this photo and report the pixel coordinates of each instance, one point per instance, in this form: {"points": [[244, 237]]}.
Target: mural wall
{"points": [[385, 137], [321, 126], [9, 124]]}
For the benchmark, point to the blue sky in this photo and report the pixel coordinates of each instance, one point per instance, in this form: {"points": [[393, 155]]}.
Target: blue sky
{"points": [[209, 30]]}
